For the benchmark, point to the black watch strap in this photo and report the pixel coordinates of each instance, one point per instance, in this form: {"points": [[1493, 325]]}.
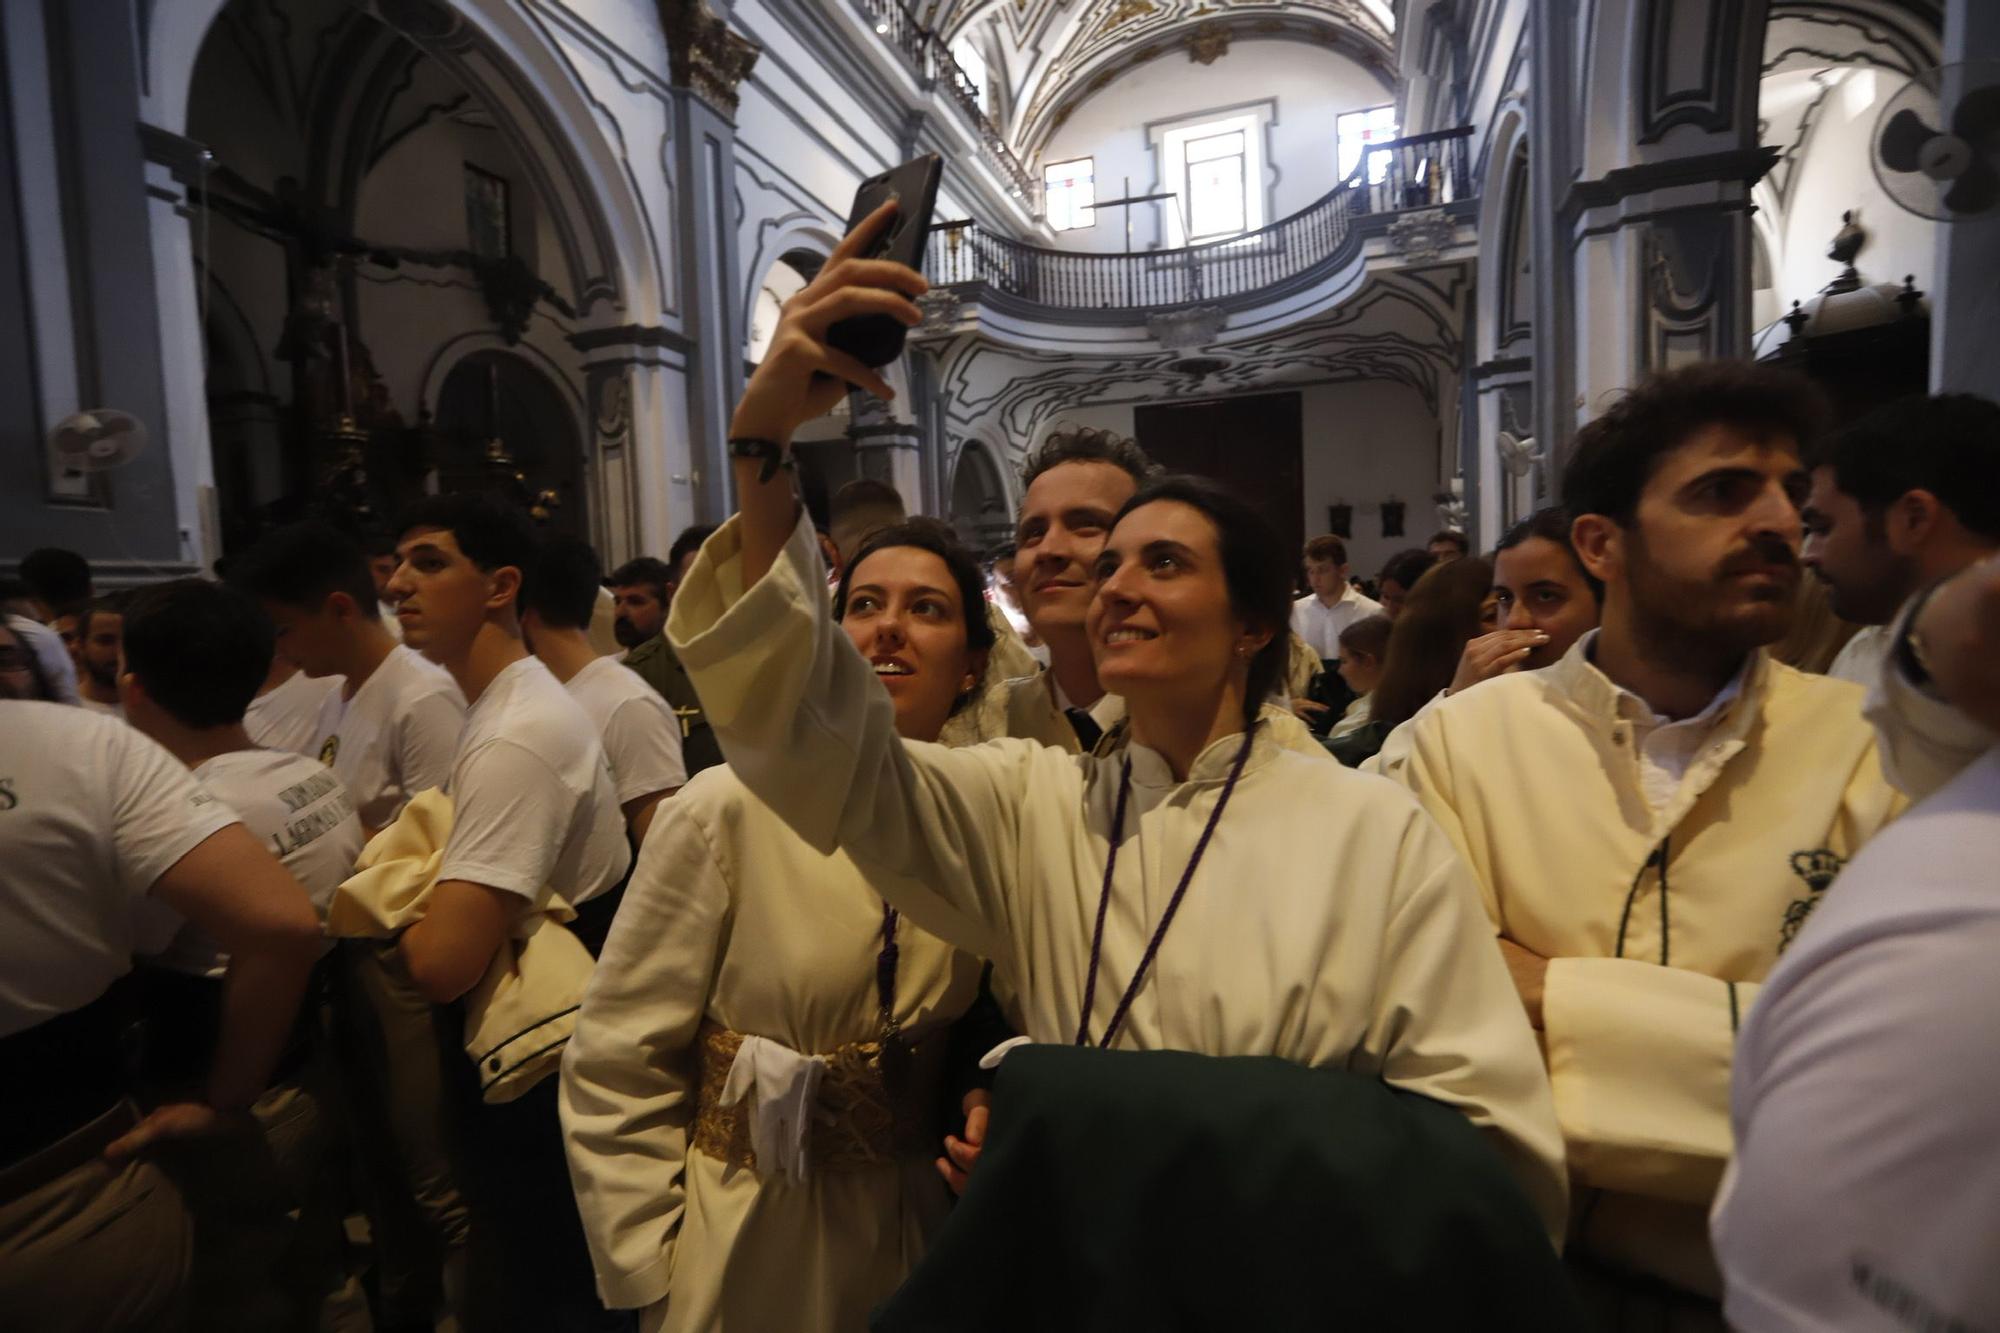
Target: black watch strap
{"points": [[770, 453]]}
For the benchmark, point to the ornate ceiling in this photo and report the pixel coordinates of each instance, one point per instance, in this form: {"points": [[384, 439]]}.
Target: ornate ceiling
{"points": [[1056, 53]]}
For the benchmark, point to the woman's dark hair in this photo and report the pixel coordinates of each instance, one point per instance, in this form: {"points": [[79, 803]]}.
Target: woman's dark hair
{"points": [[1551, 524], [1439, 619], [1257, 566], [927, 534]]}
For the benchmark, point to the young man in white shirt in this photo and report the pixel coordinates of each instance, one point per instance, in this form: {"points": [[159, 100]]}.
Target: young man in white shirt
{"points": [[534, 813], [388, 732], [1334, 603], [194, 655], [1653, 817], [392, 728], [640, 734], [98, 824], [1903, 499]]}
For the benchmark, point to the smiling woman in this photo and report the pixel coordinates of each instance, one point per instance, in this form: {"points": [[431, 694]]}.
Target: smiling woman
{"points": [[1368, 953], [741, 958]]}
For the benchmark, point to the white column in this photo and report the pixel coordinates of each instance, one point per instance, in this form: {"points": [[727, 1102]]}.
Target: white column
{"points": [[183, 366]]}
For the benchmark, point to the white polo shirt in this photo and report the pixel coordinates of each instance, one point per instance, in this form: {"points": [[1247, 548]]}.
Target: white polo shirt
{"points": [[91, 814], [1865, 1189], [640, 734], [300, 811], [534, 806], [51, 654], [1320, 625], [395, 737], [287, 718]]}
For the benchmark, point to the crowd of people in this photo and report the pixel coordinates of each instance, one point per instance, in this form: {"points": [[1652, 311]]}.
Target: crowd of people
{"points": [[819, 925]]}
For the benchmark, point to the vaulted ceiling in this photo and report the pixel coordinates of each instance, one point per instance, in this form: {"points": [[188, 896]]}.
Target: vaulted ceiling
{"points": [[1053, 54]]}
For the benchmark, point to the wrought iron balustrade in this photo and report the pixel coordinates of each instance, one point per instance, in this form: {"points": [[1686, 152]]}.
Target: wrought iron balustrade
{"points": [[931, 61], [1423, 171]]}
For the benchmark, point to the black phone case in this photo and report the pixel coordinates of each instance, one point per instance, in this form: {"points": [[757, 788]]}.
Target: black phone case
{"points": [[876, 340]]}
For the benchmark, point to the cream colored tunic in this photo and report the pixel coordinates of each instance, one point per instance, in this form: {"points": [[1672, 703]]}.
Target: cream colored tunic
{"points": [[1659, 922], [1331, 924], [729, 916]]}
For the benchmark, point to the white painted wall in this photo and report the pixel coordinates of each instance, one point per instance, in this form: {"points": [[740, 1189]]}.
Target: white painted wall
{"points": [[1364, 442], [1835, 176], [1311, 85]]}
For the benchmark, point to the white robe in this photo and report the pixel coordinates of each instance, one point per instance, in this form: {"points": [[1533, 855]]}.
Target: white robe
{"points": [[1331, 923], [730, 917]]}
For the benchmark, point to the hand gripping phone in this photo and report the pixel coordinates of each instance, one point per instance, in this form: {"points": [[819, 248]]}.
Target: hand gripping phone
{"points": [[876, 340]]}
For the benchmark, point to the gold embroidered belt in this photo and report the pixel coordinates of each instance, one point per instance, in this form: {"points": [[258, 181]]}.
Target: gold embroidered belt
{"points": [[865, 1121]]}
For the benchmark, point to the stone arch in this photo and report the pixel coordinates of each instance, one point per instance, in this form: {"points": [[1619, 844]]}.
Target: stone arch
{"points": [[533, 408], [502, 57], [979, 500], [787, 241], [1503, 210]]}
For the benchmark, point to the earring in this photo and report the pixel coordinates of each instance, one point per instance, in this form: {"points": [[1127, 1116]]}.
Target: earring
{"points": [[970, 682]]}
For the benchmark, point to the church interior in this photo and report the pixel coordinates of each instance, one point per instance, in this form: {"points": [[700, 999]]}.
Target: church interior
{"points": [[334, 255], [476, 857]]}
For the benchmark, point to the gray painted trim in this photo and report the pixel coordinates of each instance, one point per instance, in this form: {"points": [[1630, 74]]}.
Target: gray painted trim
{"points": [[1655, 214], [631, 335], [1748, 165]]}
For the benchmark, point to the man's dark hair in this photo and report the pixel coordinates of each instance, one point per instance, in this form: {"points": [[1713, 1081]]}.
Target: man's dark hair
{"points": [[1369, 635], [1616, 454], [304, 564], [1257, 566], [644, 572], [492, 535], [1087, 444], [1551, 524], [1452, 536], [111, 604], [14, 590], [1948, 445], [863, 494], [1406, 567], [202, 650], [1328, 548], [375, 541], [59, 578], [686, 545], [562, 585], [927, 534]]}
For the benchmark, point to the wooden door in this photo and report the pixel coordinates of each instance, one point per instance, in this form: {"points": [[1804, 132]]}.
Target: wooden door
{"points": [[1253, 446]]}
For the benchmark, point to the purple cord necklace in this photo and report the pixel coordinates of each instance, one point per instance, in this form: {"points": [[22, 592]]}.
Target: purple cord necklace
{"points": [[1173, 903]]}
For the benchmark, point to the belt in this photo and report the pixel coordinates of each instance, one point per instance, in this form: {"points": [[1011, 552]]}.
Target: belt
{"points": [[864, 1122], [84, 1144]]}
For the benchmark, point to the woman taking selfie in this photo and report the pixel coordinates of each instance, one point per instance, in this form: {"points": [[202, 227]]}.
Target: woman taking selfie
{"points": [[749, 976], [1202, 890]]}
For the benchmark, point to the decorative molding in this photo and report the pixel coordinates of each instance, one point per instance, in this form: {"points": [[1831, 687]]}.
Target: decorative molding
{"points": [[704, 56], [1747, 165], [1188, 328], [1709, 101], [1208, 43], [1423, 235], [631, 335]]}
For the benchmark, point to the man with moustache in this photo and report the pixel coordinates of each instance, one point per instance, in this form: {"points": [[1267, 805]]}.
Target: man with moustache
{"points": [[1652, 818]]}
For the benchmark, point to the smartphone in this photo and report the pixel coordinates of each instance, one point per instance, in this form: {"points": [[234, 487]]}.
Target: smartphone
{"points": [[876, 340]]}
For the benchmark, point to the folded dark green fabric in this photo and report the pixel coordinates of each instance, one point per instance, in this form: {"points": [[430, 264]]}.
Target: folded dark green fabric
{"points": [[1160, 1190]]}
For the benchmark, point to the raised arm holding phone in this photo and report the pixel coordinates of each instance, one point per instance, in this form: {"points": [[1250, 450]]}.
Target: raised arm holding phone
{"points": [[1373, 956]]}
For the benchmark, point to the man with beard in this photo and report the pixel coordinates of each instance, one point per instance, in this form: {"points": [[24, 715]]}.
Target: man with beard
{"points": [[100, 628], [1652, 818], [1901, 501], [643, 589]]}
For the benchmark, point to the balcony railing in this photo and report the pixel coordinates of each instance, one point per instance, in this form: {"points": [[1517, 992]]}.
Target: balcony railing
{"points": [[1423, 171], [930, 60]]}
